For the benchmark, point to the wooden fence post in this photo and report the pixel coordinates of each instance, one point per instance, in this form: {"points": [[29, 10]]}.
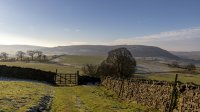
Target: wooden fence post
{"points": [[174, 96], [70, 78], [60, 78]]}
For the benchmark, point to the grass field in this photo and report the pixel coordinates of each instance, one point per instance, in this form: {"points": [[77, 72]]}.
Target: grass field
{"points": [[171, 76], [74, 63], [160, 71], [18, 96], [91, 99]]}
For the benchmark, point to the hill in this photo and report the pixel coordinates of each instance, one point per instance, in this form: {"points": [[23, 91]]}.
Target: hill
{"points": [[100, 50], [136, 50], [12, 49], [194, 55]]}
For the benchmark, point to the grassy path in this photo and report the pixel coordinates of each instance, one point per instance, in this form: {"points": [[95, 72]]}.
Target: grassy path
{"points": [[18, 96], [91, 99]]}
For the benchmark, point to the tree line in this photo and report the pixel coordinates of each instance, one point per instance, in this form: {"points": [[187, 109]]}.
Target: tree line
{"points": [[30, 55], [189, 66]]}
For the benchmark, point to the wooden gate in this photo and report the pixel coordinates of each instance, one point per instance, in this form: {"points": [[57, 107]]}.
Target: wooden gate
{"points": [[66, 79]]}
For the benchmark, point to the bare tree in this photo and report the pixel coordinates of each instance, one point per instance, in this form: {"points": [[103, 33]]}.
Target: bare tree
{"points": [[44, 57], [31, 54], [20, 54], [4, 55], [39, 54]]}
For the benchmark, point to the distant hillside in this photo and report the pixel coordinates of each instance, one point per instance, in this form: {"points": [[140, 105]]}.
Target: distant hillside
{"points": [[194, 55], [12, 49], [136, 50]]}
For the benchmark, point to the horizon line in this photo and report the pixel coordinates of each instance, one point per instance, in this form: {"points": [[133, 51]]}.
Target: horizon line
{"points": [[95, 45]]}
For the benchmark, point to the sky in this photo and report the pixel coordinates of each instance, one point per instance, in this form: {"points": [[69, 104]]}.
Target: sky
{"points": [[170, 24]]}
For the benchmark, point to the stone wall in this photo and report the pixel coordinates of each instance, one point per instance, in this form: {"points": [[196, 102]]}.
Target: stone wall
{"points": [[26, 73], [189, 100], [156, 94]]}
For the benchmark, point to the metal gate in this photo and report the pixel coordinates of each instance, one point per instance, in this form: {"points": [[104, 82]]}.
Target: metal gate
{"points": [[66, 79]]}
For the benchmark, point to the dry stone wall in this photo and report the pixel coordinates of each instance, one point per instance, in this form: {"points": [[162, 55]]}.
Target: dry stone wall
{"points": [[156, 94], [189, 100]]}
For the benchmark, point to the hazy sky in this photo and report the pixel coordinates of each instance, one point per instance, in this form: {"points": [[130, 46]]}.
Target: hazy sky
{"points": [[169, 24]]}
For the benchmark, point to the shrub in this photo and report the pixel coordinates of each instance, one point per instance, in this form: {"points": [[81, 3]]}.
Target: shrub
{"points": [[106, 69]]}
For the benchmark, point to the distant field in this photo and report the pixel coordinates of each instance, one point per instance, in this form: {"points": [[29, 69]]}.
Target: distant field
{"points": [[18, 96], [159, 71], [80, 60], [171, 76], [68, 63], [92, 99], [147, 66], [143, 65]]}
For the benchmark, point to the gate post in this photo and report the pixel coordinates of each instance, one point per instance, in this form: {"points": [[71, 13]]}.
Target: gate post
{"points": [[55, 76], [77, 77], [60, 78], [65, 79]]}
